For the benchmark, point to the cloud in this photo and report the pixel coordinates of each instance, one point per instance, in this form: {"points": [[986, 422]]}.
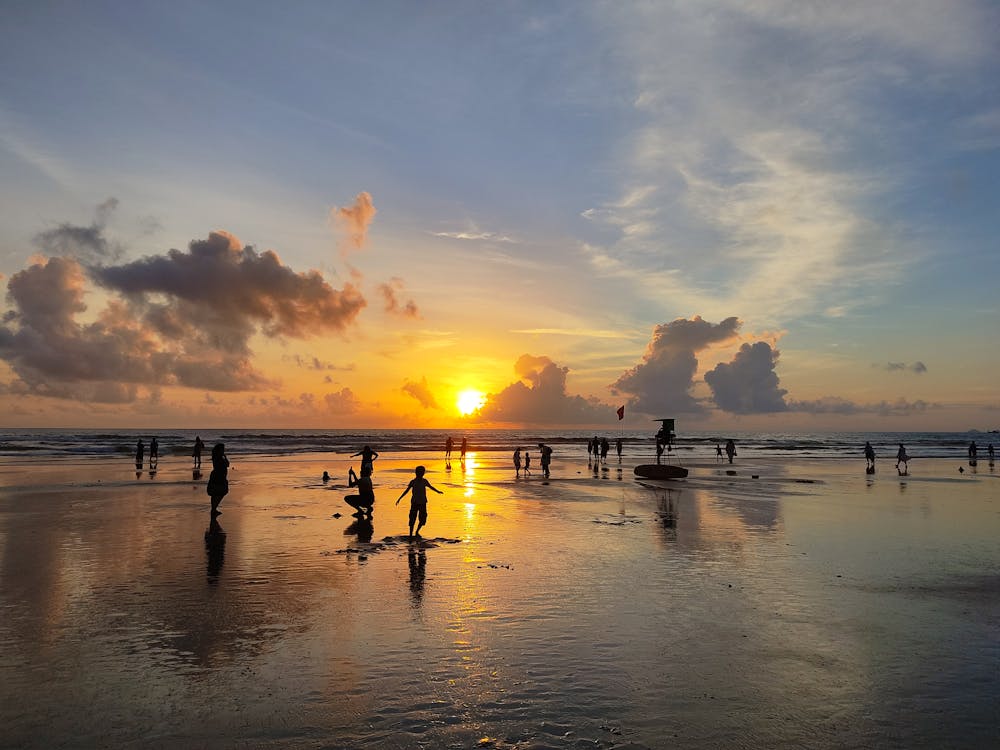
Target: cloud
{"points": [[918, 368], [836, 405], [661, 383], [421, 392], [540, 397], [228, 288], [314, 363], [84, 243], [766, 182], [748, 384], [475, 236], [389, 292], [180, 319], [343, 401], [354, 221]]}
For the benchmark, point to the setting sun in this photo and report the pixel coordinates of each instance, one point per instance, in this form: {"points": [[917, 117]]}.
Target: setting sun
{"points": [[469, 401]]}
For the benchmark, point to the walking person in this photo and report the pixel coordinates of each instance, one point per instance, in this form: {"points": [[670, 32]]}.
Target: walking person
{"points": [[618, 449], [605, 447], [517, 462], [218, 480], [140, 455], [463, 449], [418, 486], [448, 445], [902, 458], [730, 449], [527, 463], [869, 458]]}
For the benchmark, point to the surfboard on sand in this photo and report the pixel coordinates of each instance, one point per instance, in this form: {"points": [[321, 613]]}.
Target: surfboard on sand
{"points": [[660, 471]]}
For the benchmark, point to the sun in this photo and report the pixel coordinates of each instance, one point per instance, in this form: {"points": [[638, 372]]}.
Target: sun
{"points": [[469, 401]]}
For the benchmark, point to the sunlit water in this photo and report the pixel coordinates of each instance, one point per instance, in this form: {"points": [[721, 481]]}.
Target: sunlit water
{"points": [[588, 611]]}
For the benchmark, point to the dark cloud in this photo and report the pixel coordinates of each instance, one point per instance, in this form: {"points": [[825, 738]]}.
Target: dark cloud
{"points": [[421, 392], [826, 405], [390, 293], [539, 397], [748, 384], [315, 363], [661, 383], [835, 405], [183, 319], [232, 288], [918, 368], [86, 243]]}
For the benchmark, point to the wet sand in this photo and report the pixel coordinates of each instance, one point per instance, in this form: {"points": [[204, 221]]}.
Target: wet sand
{"points": [[810, 607]]}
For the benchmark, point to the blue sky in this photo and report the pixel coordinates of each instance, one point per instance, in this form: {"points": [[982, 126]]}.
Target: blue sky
{"points": [[557, 180]]}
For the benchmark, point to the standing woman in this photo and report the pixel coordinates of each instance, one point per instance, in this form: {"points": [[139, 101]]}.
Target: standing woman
{"points": [[218, 482]]}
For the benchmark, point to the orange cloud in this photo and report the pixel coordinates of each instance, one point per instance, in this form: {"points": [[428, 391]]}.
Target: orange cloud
{"points": [[354, 221]]}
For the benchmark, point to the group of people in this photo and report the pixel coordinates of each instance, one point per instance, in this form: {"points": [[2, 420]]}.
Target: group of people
{"points": [[363, 501], [449, 445], [546, 460], [903, 459], [730, 450], [974, 453], [140, 454], [600, 447]]}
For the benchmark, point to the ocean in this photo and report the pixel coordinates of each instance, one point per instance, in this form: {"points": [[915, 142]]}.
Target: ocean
{"points": [[79, 443]]}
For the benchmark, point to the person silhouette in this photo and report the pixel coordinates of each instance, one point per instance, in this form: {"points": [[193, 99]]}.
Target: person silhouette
{"points": [[618, 449], [718, 451], [154, 451], [527, 463], [902, 458], [218, 481], [869, 458], [448, 445], [140, 454], [463, 449], [730, 450], [989, 452], [364, 501], [196, 453], [546, 452], [418, 486], [973, 452], [517, 462], [368, 457]]}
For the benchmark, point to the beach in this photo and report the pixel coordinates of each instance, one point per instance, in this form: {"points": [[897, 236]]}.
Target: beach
{"points": [[759, 604]]}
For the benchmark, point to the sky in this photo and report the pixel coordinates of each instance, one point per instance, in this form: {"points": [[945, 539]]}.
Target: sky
{"points": [[753, 215]]}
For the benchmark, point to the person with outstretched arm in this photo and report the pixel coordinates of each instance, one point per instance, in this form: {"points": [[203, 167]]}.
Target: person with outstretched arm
{"points": [[418, 500]]}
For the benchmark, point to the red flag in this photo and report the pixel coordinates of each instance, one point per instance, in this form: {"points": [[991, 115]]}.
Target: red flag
{"points": [[621, 413]]}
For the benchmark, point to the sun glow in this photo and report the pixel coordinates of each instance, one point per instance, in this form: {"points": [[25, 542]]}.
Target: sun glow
{"points": [[470, 401]]}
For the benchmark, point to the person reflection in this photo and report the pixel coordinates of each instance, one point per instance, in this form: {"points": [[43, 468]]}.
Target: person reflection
{"points": [[418, 571], [363, 527], [666, 504], [215, 549]]}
